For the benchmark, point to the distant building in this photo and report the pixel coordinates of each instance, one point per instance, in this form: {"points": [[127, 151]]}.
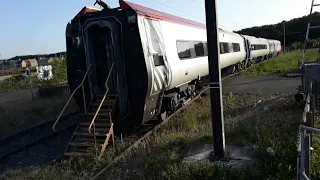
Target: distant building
{"points": [[32, 62]]}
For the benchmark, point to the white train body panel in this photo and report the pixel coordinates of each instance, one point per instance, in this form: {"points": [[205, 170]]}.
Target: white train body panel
{"points": [[277, 46], [185, 70], [271, 46], [265, 42], [231, 58], [255, 53]]}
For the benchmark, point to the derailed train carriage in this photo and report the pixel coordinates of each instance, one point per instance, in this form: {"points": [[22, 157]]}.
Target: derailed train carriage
{"points": [[160, 60]]}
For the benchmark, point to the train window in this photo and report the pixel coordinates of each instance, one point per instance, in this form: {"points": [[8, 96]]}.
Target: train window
{"points": [[183, 49], [198, 46], [236, 47], [224, 48]]}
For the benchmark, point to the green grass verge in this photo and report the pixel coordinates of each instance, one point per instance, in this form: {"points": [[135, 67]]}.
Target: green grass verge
{"points": [[277, 128], [160, 157], [283, 64], [23, 114]]}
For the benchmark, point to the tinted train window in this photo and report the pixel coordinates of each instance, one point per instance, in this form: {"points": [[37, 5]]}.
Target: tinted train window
{"points": [[224, 48], [183, 49], [236, 47], [199, 48], [259, 46]]}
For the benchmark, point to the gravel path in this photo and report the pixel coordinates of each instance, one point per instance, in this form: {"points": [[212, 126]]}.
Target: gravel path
{"points": [[265, 84]]}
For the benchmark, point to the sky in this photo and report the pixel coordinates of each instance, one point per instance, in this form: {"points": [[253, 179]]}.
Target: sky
{"points": [[38, 26]]}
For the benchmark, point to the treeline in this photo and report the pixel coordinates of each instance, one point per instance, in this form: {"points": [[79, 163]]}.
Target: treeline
{"points": [[295, 30], [59, 54]]}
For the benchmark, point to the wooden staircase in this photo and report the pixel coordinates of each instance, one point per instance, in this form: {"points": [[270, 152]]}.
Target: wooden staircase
{"points": [[93, 141]]}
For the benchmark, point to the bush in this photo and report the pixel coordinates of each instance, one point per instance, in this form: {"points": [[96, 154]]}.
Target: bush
{"points": [[51, 89], [46, 88]]}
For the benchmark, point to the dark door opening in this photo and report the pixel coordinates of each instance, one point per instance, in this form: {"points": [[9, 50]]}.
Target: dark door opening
{"points": [[103, 58]]}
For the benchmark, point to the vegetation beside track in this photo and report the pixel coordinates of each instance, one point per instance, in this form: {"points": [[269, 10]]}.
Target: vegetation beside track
{"points": [[17, 82], [283, 64], [161, 157], [315, 155], [21, 115], [277, 128]]}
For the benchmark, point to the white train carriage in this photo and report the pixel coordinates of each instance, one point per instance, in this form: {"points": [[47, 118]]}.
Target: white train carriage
{"points": [[266, 51], [271, 47], [277, 48], [160, 59], [258, 48]]}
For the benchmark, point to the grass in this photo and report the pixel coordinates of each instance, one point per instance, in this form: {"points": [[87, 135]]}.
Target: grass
{"points": [[17, 116], [160, 157], [315, 155], [18, 81], [5, 77], [277, 128], [283, 64]]}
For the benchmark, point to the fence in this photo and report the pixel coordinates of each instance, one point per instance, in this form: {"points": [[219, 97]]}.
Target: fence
{"points": [[306, 130]]}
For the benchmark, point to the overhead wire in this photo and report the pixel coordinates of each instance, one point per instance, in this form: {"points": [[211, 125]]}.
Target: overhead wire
{"points": [[187, 13], [221, 15]]}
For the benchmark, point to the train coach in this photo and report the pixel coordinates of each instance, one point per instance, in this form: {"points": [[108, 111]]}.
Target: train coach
{"points": [[160, 60]]}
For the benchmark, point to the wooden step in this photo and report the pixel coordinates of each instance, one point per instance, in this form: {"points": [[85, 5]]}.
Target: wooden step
{"points": [[87, 150], [88, 134], [97, 124], [100, 130], [84, 144], [102, 110], [99, 114], [91, 140], [73, 154], [105, 103]]}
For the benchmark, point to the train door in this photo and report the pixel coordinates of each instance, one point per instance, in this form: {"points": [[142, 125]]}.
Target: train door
{"points": [[159, 68], [156, 53], [248, 52]]}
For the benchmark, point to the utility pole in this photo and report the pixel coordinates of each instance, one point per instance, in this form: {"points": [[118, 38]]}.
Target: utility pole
{"points": [[284, 38], [215, 79], [2, 62]]}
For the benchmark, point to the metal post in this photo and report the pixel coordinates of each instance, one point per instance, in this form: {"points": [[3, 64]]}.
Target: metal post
{"points": [[310, 123], [2, 63], [29, 74], [307, 155], [215, 79], [302, 152], [284, 38]]}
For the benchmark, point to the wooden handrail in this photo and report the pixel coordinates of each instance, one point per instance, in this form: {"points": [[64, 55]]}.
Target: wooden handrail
{"points": [[74, 91], [104, 97]]}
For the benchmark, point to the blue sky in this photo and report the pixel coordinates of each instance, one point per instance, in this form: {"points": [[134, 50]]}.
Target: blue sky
{"points": [[38, 26]]}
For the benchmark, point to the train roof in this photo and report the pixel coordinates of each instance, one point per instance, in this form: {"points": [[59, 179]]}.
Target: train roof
{"points": [[148, 12], [152, 13]]}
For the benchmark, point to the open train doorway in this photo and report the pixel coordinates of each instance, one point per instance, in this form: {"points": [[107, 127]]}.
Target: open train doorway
{"points": [[104, 47], [101, 55]]}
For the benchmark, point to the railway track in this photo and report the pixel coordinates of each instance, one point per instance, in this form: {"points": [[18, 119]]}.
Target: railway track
{"points": [[29, 137]]}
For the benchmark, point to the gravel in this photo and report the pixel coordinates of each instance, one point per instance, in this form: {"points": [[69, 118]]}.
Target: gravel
{"points": [[39, 155]]}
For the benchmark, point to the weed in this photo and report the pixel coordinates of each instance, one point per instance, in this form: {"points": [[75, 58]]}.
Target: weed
{"points": [[230, 99], [283, 64]]}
